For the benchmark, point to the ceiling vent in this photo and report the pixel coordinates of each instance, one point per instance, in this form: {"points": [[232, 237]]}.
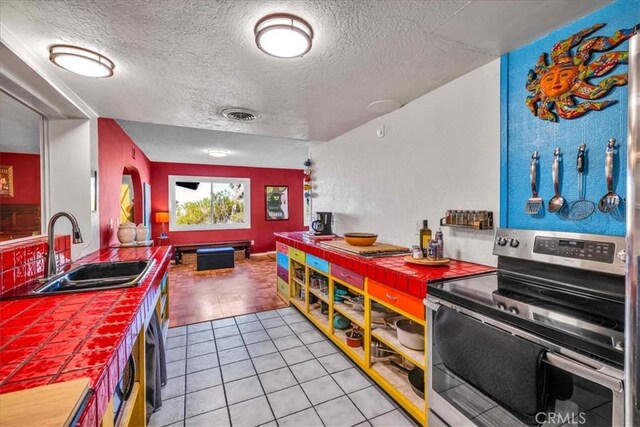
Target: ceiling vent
{"points": [[240, 114]]}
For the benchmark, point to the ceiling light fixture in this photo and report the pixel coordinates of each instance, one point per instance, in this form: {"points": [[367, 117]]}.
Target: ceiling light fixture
{"points": [[218, 153], [283, 35], [81, 61]]}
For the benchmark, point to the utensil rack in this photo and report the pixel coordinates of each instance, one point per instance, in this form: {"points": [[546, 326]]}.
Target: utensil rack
{"points": [[472, 220]]}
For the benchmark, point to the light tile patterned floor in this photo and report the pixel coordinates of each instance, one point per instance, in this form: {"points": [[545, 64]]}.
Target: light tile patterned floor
{"points": [[269, 368]]}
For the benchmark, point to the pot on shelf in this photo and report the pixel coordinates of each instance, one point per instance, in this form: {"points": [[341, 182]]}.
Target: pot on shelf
{"points": [[416, 379], [340, 322], [410, 334], [354, 338]]}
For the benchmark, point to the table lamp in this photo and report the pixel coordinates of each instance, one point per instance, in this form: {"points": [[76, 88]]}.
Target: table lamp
{"points": [[162, 218]]}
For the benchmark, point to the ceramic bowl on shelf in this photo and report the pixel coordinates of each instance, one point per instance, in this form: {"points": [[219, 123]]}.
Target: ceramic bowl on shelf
{"points": [[360, 239]]}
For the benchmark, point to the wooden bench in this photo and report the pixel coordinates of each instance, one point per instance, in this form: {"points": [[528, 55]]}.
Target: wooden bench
{"points": [[179, 250]]}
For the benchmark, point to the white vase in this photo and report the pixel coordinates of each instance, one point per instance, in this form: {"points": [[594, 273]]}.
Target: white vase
{"points": [[126, 233], [142, 233]]}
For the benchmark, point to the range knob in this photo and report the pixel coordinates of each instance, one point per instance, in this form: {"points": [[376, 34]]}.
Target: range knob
{"points": [[513, 310], [514, 243], [502, 241], [501, 306]]}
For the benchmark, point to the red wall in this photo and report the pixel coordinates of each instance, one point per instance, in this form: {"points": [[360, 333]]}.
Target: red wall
{"points": [[26, 177], [116, 151], [261, 230]]}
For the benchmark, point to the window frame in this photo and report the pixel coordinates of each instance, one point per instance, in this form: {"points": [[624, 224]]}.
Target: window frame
{"points": [[173, 226]]}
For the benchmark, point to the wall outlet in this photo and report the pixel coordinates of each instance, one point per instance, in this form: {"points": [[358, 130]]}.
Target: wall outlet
{"points": [[110, 222], [253, 242]]}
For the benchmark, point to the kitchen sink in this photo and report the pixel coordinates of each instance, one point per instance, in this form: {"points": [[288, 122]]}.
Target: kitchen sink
{"points": [[97, 276]]}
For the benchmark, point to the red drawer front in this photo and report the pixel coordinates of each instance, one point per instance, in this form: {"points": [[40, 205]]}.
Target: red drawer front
{"points": [[282, 248], [396, 298], [354, 279], [283, 273]]}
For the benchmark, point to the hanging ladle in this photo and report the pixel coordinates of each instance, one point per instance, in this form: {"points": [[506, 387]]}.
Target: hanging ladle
{"points": [[557, 201], [611, 200]]}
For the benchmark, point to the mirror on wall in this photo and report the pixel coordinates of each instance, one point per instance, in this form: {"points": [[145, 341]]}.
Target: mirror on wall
{"points": [[20, 170]]}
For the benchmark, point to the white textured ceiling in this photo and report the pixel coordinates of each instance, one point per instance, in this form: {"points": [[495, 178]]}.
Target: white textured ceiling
{"points": [[19, 127], [187, 145], [179, 62]]}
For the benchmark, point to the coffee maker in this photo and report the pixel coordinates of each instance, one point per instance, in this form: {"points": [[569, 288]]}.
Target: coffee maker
{"points": [[322, 225]]}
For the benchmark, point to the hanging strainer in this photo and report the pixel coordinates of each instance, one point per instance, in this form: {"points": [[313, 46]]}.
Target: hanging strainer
{"points": [[581, 208]]}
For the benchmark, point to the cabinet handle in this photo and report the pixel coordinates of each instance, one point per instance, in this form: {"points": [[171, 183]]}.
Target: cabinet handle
{"points": [[346, 275], [391, 297]]}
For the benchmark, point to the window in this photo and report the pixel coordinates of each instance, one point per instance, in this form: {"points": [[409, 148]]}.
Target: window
{"points": [[207, 203]]}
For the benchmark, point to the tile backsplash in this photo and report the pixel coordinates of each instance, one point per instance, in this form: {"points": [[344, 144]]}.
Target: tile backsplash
{"points": [[25, 261]]}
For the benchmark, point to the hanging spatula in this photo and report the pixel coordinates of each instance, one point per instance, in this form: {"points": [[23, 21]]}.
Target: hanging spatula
{"points": [[534, 203]]}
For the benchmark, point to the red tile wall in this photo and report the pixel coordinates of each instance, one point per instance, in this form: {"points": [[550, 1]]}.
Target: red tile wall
{"points": [[23, 262]]}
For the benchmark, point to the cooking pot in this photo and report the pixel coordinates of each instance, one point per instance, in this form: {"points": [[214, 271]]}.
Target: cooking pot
{"points": [[340, 322], [416, 379], [354, 338], [340, 295], [410, 334]]}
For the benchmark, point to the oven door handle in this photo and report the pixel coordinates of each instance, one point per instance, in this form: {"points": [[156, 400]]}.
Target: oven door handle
{"points": [[584, 371]]}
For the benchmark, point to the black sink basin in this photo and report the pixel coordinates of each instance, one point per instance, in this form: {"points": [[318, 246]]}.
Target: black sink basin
{"points": [[98, 276]]}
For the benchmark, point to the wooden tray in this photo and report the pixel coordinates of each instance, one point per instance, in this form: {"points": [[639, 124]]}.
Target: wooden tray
{"points": [[424, 261], [376, 248]]}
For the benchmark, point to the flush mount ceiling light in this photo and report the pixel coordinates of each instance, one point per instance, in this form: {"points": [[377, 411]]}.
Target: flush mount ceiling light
{"points": [[218, 153], [283, 35], [81, 61], [383, 107]]}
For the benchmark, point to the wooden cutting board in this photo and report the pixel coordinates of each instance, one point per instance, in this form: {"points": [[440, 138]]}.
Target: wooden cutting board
{"points": [[376, 248], [51, 405]]}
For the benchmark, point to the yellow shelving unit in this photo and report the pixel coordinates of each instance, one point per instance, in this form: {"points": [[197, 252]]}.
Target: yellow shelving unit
{"points": [[390, 378]]}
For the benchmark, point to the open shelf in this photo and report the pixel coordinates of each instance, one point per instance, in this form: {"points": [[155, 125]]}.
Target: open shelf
{"points": [[322, 296], [399, 380], [299, 304], [322, 319], [298, 281], [355, 316], [342, 337], [389, 337]]}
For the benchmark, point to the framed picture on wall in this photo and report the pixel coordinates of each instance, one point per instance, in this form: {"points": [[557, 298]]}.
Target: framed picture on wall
{"points": [[6, 181], [277, 202]]}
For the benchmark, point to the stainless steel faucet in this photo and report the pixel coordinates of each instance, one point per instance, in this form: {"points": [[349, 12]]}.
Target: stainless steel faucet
{"points": [[52, 268]]}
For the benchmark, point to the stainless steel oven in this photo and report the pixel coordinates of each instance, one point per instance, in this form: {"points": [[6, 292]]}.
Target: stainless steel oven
{"points": [[539, 341]]}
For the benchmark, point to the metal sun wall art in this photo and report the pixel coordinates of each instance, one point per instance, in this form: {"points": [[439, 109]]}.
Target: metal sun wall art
{"points": [[558, 84]]}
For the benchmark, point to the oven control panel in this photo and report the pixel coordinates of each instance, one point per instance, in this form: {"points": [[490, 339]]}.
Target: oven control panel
{"points": [[574, 248], [578, 250]]}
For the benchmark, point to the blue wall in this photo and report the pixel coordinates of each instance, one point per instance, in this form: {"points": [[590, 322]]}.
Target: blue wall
{"points": [[522, 133]]}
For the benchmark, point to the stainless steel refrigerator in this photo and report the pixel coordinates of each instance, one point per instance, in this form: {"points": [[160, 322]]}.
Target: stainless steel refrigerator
{"points": [[632, 321]]}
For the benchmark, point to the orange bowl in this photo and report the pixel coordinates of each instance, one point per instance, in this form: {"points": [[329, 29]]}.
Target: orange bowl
{"points": [[360, 239]]}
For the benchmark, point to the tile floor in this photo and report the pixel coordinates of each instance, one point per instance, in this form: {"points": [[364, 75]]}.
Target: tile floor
{"points": [[268, 368], [197, 296]]}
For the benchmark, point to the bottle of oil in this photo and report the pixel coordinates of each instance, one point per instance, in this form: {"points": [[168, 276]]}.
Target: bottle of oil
{"points": [[425, 236]]}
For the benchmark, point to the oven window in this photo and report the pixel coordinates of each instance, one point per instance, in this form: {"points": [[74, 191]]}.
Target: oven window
{"points": [[576, 401]]}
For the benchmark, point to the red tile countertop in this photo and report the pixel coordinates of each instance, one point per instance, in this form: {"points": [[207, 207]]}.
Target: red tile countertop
{"points": [[391, 270], [50, 339]]}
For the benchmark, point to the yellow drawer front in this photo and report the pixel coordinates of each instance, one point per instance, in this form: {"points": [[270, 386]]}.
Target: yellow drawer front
{"points": [[298, 255], [283, 288]]}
